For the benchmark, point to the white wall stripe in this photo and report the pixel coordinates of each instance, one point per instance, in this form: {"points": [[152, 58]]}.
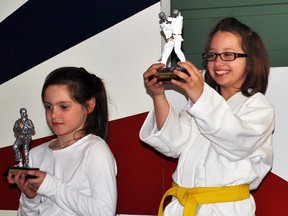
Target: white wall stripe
{"points": [[119, 55], [277, 94], [7, 7]]}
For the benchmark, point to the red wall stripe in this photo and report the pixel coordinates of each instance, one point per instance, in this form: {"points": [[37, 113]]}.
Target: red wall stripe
{"points": [[144, 174]]}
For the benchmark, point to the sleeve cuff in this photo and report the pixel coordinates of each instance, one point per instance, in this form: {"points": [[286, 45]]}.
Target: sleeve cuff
{"points": [[49, 186]]}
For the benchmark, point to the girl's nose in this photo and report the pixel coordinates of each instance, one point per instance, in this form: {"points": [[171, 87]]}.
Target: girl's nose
{"points": [[54, 113]]}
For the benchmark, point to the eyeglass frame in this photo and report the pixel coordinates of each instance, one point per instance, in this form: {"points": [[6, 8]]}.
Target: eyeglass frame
{"points": [[236, 55]]}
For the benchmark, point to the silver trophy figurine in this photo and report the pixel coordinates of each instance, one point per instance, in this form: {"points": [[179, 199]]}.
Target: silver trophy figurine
{"points": [[23, 130], [172, 30]]}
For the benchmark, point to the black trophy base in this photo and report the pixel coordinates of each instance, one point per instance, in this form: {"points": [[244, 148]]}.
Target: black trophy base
{"points": [[14, 170], [166, 74]]}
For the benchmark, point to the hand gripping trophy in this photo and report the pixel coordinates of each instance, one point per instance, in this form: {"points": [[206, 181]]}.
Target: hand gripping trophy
{"points": [[172, 30], [23, 130]]}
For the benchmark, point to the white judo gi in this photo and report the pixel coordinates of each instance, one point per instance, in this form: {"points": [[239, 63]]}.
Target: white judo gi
{"points": [[218, 143]]}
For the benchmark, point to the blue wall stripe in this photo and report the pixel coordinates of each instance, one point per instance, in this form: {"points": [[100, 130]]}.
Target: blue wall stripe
{"points": [[41, 29]]}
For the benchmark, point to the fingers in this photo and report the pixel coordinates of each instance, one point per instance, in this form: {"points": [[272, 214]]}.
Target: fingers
{"points": [[153, 86], [24, 185], [36, 182], [32, 185], [18, 179], [192, 70], [29, 190], [194, 74], [15, 179], [10, 179], [151, 71], [194, 82], [33, 173]]}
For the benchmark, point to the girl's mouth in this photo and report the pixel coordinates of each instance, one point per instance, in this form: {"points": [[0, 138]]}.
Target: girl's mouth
{"points": [[221, 72]]}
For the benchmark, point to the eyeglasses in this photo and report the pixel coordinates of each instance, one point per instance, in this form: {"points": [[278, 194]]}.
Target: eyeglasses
{"points": [[225, 56]]}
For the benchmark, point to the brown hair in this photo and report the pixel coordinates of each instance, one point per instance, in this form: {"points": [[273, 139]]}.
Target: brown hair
{"points": [[83, 86], [257, 68]]}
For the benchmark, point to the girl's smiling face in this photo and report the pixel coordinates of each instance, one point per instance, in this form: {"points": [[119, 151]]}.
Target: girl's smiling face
{"points": [[230, 75], [64, 116]]}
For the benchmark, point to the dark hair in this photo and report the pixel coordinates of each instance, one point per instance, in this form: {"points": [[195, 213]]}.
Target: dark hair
{"points": [[257, 68], [83, 86]]}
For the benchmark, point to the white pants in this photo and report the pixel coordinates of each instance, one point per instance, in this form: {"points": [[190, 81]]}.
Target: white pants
{"points": [[167, 49]]}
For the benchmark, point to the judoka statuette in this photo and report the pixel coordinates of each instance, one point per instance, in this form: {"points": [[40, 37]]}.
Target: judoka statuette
{"points": [[172, 30], [23, 130]]}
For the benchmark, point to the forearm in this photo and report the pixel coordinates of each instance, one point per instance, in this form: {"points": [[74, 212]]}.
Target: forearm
{"points": [[162, 108], [171, 140]]}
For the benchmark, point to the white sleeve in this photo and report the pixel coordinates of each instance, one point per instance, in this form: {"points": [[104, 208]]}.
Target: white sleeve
{"points": [[238, 131], [28, 207], [101, 172], [173, 137]]}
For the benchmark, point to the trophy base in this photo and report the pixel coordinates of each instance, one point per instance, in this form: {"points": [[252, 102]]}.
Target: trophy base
{"points": [[166, 74], [14, 170]]}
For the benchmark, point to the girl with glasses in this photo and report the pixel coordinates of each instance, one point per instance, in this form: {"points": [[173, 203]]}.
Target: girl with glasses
{"points": [[223, 137]]}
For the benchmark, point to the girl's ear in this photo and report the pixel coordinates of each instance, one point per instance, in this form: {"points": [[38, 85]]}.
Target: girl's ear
{"points": [[91, 105]]}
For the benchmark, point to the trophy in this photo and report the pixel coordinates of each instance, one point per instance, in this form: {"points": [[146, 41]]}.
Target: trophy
{"points": [[23, 130], [172, 30]]}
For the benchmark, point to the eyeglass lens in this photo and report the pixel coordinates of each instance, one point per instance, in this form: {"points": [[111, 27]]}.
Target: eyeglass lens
{"points": [[225, 56]]}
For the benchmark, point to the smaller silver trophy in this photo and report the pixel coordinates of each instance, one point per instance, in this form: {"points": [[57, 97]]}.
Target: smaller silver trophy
{"points": [[172, 29], [23, 130]]}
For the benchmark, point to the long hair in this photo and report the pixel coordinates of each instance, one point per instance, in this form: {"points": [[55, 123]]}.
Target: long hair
{"points": [[257, 67], [83, 86]]}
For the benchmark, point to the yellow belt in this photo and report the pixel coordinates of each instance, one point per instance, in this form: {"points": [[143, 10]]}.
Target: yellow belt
{"points": [[190, 198]]}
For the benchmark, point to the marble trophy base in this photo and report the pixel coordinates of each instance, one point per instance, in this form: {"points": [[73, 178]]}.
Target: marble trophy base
{"points": [[166, 74], [14, 170]]}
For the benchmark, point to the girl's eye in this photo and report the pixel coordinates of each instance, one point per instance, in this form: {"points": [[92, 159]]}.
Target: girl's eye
{"points": [[228, 54], [64, 106], [47, 107]]}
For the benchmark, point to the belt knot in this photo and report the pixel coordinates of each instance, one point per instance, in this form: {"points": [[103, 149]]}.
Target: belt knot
{"points": [[191, 198]]}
